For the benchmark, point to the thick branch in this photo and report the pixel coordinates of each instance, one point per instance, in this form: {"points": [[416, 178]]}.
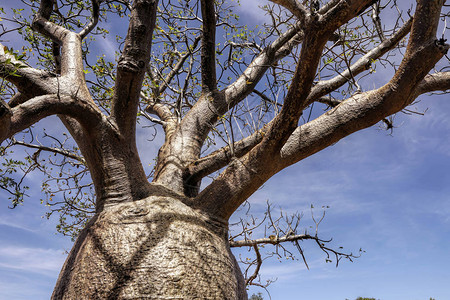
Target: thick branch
{"points": [[326, 86], [169, 119], [94, 21], [317, 34], [71, 60], [5, 120], [132, 66], [295, 7], [434, 82], [29, 81], [196, 125], [222, 157], [364, 110], [42, 24], [205, 112], [35, 109], [208, 60], [246, 175]]}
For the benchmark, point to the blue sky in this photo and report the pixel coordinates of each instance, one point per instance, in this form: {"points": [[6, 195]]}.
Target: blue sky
{"points": [[388, 194]]}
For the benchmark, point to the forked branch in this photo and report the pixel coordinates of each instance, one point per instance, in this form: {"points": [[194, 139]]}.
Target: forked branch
{"points": [[94, 21]]}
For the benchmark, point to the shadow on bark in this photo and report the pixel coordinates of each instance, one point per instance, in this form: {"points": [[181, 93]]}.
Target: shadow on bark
{"points": [[153, 248]]}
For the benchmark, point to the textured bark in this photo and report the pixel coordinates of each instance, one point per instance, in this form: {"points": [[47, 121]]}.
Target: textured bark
{"points": [[155, 248], [167, 239]]}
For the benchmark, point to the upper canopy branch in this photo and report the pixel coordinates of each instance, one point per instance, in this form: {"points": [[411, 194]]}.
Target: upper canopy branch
{"points": [[208, 56], [326, 86], [204, 114], [434, 82], [132, 66], [295, 7], [220, 158], [316, 34], [366, 109], [29, 81], [162, 86], [245, 175], [42, 24], [94, 21], [37, 108]]}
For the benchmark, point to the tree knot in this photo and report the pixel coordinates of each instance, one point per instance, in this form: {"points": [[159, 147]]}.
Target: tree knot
{"points": [[441, 44], [130, 65]]}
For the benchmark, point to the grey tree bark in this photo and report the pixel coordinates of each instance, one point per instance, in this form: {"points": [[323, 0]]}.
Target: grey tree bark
{"points": [[168, 239]]}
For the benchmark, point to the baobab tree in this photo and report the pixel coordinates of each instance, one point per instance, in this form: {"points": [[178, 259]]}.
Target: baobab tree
{"points": [[193, 69]]}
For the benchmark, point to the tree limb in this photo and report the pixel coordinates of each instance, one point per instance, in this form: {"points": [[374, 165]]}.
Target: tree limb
{"points": [[37, 108], [29, 81], [63, 152], [295, 7], [94, 21], [42, 24], [366, 109], [245, 175], [434, 82], [208, 56], [132, 65], [220, 158], [274, 240], [326, 86]]}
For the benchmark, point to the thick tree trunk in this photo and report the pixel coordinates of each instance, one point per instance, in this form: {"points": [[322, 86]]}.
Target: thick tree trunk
{"points": [[154, 248]]}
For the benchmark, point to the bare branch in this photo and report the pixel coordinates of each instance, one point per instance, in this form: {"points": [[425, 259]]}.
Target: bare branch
{"points": [[42, 24], [434, 82], [94, 21], [167, 80], [249, 280], [29, 81], [274, 240], [208, 60], [132, 65], [64, 152], [40, 107], [295, 7], [377, 21], [326, 86]]}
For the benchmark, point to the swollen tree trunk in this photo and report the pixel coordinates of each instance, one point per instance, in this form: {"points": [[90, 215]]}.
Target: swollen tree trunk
{"points": [[154, 248], [168, 239]]}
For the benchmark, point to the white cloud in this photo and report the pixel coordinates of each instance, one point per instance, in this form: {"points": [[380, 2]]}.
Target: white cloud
{"points": [[38, 260], [6, 221]]}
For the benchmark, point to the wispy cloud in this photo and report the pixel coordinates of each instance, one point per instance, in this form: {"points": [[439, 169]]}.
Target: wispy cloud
{"points": [[5, 221], [38, 260]]}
